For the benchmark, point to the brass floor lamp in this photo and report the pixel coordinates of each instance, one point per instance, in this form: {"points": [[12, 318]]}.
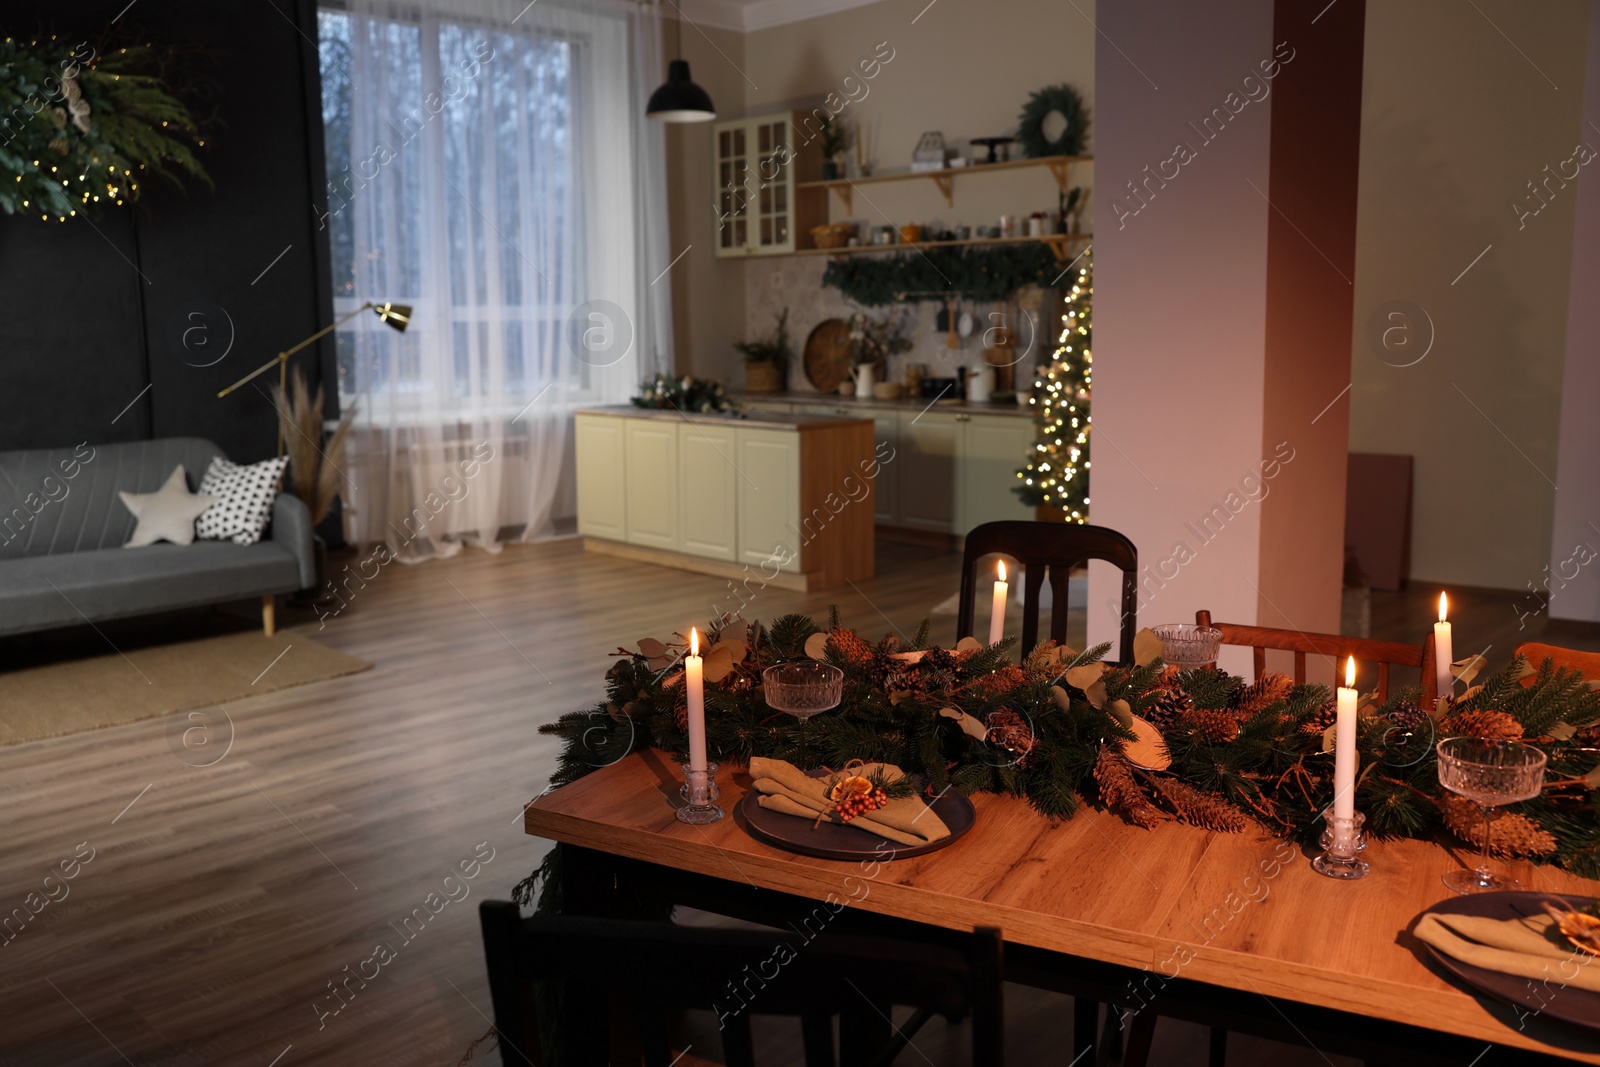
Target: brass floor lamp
{"points": [[397, 316]]}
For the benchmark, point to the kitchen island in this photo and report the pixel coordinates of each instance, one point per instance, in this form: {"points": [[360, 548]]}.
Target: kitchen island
{"points": [[766, 498]]}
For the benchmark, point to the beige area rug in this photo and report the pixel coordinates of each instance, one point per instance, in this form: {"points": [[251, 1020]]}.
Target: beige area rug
{"points": [[146, 683]]}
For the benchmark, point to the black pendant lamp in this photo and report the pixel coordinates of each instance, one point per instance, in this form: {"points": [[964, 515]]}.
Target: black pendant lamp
{"points": [[680, 99]]}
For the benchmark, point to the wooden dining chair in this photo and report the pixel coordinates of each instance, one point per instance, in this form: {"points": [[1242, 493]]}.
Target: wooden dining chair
{"points": [[1385, 654], [1585, 663], [654, 970], [1057, 548]]}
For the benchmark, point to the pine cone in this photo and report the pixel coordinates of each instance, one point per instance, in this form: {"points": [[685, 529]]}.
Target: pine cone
{"points": [[848, 649], [1495, 725], [1210, 725], [1267, 690], [1011, 732], [1171, 705], [1513, 834], [1121, 791], [1589, 735], [1200, 809], [998, 683], [1318, 724]]}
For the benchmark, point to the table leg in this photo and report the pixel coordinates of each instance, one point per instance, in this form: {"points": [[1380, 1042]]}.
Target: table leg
{"points": [[1085, 1023]]}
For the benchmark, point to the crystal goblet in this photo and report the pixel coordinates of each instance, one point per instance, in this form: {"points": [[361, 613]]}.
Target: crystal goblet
{"points": [[1489, 773], [1188, 645], [803, 690]]}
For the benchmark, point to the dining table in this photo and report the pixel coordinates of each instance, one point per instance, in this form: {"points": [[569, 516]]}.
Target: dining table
{"points": [[1233, 930]]}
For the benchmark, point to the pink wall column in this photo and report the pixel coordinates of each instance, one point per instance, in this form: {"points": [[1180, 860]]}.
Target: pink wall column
{"points": [[1212, 329], [1574, 572]]}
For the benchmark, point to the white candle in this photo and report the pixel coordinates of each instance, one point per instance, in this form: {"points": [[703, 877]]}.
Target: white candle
{"points": [[997, 611], [693, 668], [1344, 748], [1443, 653]]}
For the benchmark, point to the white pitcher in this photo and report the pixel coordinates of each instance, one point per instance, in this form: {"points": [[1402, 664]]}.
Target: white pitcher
{"points": [[980, 384], [863, 375]]}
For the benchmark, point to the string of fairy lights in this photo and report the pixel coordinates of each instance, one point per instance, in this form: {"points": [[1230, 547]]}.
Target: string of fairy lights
{"points": [[1057, 473], [91, 169]]}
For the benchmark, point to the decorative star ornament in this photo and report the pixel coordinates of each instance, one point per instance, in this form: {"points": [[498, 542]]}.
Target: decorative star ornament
{"points": [[167, 514]]}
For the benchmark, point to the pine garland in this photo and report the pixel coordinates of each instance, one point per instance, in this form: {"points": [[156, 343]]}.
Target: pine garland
{"points": [[967, 716]]}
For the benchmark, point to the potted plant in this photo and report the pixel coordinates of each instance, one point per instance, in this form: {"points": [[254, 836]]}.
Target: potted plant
{"points": [[765, 360], [872, 342], [835, 137], [316, 462]]}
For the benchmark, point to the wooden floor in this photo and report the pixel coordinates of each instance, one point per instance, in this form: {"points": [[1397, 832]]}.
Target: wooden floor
{"points": [[222, 903]]}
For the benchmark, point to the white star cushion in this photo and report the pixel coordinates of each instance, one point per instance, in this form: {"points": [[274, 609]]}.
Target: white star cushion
{"points": [[167, 514], [244, 499]]}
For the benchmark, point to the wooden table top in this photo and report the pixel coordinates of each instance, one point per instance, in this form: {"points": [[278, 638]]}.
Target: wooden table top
{"points": [[1242, 911]]}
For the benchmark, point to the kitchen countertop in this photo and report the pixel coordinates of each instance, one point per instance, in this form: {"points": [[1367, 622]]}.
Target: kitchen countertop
{"points": [[849, 403], [772, 420]]}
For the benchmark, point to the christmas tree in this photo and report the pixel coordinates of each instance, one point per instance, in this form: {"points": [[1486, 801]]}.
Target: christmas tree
{"points": [[1057, 472]]}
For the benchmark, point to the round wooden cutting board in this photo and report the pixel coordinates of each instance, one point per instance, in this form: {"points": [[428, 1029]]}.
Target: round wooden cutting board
{"points": [[827, 355]]}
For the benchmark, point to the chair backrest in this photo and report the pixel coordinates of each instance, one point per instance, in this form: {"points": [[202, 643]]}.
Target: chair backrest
{"points": [[658, 968], [1365, 649], [1056, 547], [1585, 663], [55, 500]]}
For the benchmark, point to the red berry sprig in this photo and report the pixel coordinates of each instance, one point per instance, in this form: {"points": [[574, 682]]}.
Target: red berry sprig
{"points": [[853, 804]]}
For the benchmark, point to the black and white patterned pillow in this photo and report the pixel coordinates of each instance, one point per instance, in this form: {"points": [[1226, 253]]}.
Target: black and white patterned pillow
{"points": [[244, 499]]}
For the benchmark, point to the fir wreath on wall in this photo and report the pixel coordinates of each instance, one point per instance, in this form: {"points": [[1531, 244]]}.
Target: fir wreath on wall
{"points": [[81, 131]]}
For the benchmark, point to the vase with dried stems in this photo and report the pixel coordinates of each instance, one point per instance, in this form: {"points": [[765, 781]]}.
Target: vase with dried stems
{"points": [[316, 462]]}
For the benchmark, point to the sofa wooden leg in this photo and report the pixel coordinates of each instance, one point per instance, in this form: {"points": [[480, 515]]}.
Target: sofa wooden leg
{"points": [[268, 619]]}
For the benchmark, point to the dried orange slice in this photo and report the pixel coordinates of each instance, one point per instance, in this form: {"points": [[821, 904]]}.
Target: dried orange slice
{"points": [[855, 783]]}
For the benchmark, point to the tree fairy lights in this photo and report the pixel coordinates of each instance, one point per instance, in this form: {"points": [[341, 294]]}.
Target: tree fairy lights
{"points": [[1057, 473], [80, 131]]}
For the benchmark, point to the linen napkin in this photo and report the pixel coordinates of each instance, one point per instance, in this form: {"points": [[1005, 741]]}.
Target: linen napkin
{"points": [[1530, 947], [790, 791]]}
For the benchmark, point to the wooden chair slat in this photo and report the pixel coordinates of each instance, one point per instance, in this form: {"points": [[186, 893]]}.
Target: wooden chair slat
{"points": [[1056, 547]]}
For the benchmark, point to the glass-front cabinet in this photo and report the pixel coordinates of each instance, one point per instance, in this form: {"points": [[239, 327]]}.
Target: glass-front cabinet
{"points": [[757, 163]]}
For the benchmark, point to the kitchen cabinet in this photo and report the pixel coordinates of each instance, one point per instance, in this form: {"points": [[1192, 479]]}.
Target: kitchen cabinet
{"points": [[766, 499], [769, 503], [929, 444], [757, 164], [992, 448], [651, 483], [602, 456], [708, 490]]}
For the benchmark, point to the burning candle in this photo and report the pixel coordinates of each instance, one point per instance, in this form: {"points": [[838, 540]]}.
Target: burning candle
{"points": [[693, 668], [1443, 652], [1344, 749], [997, 611]]}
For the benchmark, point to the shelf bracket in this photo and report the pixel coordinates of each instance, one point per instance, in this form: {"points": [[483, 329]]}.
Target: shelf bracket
{"points": [[946, 184], [847, 194], [1058, 170]]}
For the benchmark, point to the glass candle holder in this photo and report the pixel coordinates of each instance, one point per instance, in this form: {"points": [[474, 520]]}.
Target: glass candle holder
{"points": [[1342, 843], [1188, 645], [699, 792]]}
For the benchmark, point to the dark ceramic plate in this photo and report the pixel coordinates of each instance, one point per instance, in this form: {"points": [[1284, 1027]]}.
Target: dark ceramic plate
{"points": [[835, 842], [1570, 1004]]}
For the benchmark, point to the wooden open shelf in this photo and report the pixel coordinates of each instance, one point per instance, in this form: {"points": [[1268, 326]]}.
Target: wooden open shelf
{"points": [[945, 179], [1059, 244]]}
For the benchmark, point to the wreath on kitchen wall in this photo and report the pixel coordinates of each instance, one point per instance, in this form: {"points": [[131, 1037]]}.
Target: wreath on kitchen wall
{"points": [[82, 130], [1060, 100]]}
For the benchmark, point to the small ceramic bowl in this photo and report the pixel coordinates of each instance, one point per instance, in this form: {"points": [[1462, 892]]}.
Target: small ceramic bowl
{"points": [[886, 390]]}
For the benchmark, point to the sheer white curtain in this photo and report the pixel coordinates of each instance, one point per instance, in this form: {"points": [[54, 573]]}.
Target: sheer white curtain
{"points": [[489, 163]]}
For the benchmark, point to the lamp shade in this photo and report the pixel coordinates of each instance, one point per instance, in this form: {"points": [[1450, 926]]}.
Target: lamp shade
{"points": [[680, 99], [395, 315]]}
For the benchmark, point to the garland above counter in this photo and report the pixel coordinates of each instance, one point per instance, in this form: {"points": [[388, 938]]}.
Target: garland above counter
{"points": [[975, 273]]}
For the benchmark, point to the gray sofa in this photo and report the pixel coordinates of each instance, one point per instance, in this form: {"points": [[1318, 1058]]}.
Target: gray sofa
{"points": [[62, 529]]}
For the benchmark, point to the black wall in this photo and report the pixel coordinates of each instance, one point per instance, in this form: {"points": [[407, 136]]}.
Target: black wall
{"points": [[93, 312]]}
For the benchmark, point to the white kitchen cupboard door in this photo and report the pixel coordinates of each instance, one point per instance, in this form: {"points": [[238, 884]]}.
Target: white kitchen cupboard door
{"points": [[652, 483], [602, 496], [993, 447], [927, 452], [757, 164], [769, 497], [886, 504], [708, 516]]}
